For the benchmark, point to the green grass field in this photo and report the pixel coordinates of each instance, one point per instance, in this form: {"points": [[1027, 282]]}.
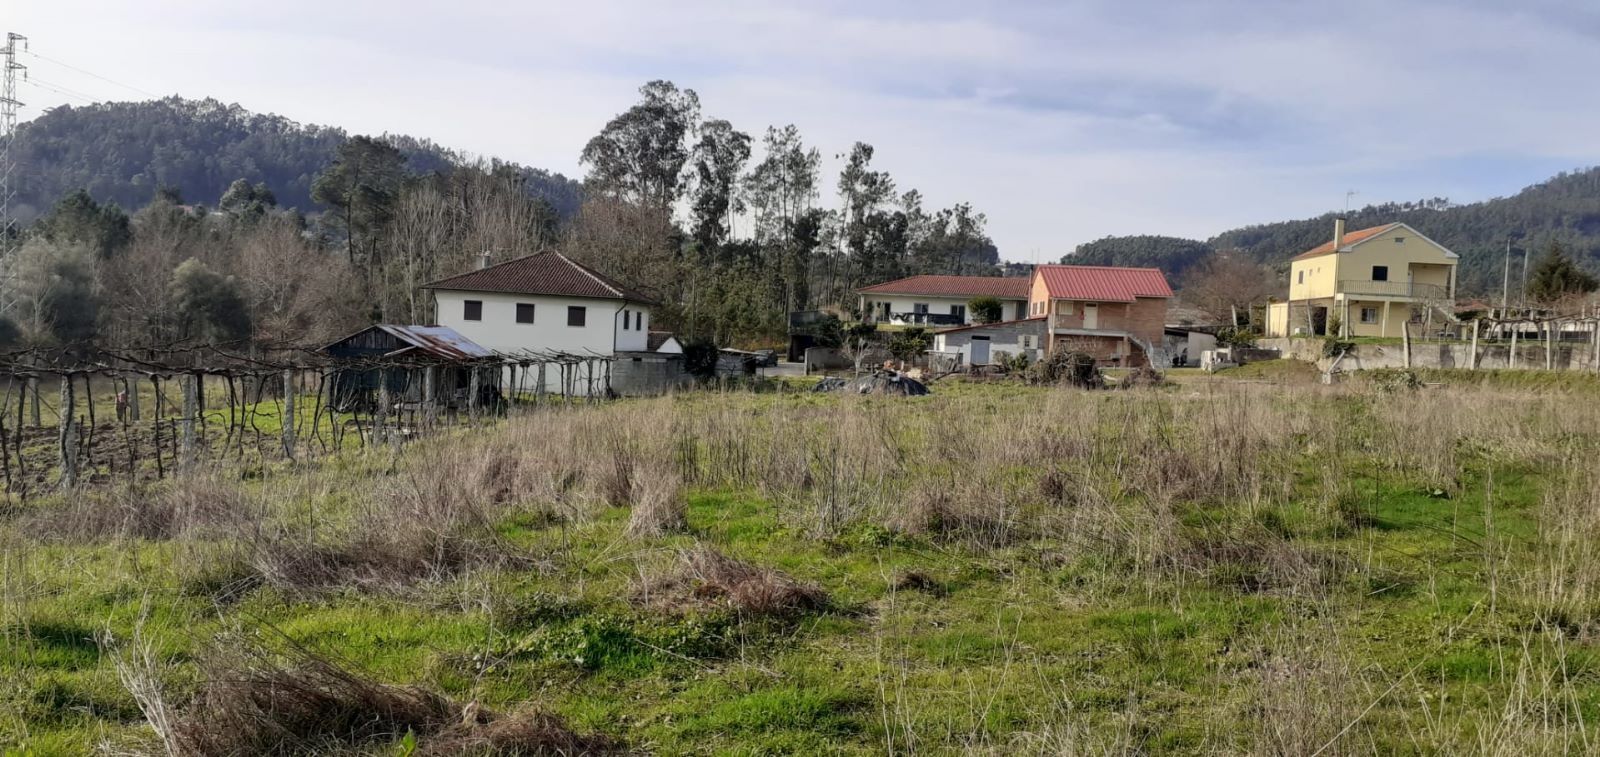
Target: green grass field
{"points": [[1241, 563]]}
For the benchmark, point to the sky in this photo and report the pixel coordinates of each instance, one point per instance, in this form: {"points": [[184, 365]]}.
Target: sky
{"points": [[1063, 121]]}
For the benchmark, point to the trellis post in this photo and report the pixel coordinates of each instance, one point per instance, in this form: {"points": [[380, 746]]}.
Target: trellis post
{"points": [[1472, 359], [430, 389], [132, 388], [472, 394], [288, 423], [67, 434], [186, 424]]}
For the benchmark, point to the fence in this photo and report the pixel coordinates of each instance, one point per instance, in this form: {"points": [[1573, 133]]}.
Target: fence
{"points": [[69, 417]]}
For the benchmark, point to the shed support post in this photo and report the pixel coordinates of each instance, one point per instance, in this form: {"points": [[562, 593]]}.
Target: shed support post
{"points": [[1512, 360], [288, 414], [380, 418], [67, 436], [1385, 326], [430, 390], [472, 394]]}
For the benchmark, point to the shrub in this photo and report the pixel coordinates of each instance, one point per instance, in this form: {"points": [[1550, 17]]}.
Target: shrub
{"points": [[707, 578], [985, 309]]}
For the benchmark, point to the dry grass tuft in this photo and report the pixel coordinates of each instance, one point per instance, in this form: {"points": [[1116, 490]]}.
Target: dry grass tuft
{"points": [[253, 702], [1253, 559], [957, 511], [706, 578], [659, 506], [203, 505]]}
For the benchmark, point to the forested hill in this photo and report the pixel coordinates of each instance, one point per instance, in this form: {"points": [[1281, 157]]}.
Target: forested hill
{"points": [[1565, 208], [125, 151]]}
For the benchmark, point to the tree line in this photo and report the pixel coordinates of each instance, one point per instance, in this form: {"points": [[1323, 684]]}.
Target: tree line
{"points": [[728, 232]]}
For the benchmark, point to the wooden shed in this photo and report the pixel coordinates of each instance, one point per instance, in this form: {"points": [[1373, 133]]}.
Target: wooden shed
{"points": [[415, 364]]}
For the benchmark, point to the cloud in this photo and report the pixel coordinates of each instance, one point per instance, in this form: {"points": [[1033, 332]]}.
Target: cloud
{"points": [[1063, 121]]}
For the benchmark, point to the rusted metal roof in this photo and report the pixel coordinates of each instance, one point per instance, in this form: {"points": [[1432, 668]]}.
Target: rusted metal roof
{"points": [[1102, 283], [1350, 238], [1011, 288], [549, 273], [439, 341]]}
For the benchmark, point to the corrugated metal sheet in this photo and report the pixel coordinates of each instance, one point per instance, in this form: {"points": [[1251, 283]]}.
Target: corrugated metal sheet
{"points": [[441, 341], [386, 339], [1103, 283], [1014, 288]]}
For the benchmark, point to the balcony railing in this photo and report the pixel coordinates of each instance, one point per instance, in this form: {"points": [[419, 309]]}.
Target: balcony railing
{"points": [[929, 319], [1394, 289]]}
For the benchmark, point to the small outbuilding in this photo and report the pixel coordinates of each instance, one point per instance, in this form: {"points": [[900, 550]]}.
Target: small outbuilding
{"points": [[990, 343], [401, 358]]}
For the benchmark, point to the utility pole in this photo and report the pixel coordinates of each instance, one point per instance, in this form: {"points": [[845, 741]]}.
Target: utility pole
{"points": [[1524, 298], [8, 129], [1505, 283]]}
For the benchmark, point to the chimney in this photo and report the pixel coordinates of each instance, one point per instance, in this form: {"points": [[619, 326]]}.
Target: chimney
{"points": [[1338, 233], [483, 257]]}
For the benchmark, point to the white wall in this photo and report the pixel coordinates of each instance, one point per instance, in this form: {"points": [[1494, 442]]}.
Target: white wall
{"points": [[601, 334], [902, 303]]}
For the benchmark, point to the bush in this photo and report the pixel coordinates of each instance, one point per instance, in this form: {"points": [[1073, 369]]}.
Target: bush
{"points": [[700, 358], [985, 309], [1236, 336]]}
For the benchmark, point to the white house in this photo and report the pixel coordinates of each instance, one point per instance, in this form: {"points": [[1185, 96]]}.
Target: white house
{"points": [[941, 300], [544, 304], [986, 344]]}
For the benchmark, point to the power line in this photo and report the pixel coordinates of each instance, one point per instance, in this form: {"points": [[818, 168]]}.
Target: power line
{"points": [[61, 89], [87, 72]]}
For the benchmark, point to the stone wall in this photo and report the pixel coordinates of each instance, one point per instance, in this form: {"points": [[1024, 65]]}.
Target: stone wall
{"points": [[1530, 355]]}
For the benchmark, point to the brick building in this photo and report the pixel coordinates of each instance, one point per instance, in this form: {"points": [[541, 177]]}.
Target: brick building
{"points": [[1116, 314]]}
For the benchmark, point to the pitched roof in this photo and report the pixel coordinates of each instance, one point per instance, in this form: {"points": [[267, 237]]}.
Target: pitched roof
{"points": [[439, 341], [541, 273], [1005, 287], [1102, 283], [1350, 238], [654, 339]]}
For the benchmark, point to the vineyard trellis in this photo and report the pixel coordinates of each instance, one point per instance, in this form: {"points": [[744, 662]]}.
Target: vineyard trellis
{"points": [[152, 412]]}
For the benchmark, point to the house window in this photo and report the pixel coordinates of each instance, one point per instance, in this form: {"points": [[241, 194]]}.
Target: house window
{"points": [[1027, 341], [1300, 277], [1399, 240], [1369, 315], [920, 308], [638, 320], [472, 310], [627, 320], [1063, 307], [959, 311], [524, 312], [1380, 273], [577, 315]]}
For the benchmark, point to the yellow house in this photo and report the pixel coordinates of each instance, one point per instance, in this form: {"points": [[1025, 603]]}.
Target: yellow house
{"points": [[1368, 283]]}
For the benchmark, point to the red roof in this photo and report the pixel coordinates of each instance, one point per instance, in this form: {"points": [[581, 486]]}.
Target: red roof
{"points": [[1350, 238], [541, 273], [1102, 283], [1004, 287]]}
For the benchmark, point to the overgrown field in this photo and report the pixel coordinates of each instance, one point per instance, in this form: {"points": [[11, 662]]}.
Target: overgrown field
{"points": [[1213, 567]]}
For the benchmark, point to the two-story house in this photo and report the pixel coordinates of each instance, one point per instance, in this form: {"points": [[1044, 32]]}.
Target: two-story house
{"points": [[1116, 314], [940, 300], [543, 304], [1369, 281]]}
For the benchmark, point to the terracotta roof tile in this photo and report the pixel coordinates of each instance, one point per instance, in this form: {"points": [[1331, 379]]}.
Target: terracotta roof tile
{"points": [[1005, 287], [548, 273], [1102, 283], [1350, 238]]}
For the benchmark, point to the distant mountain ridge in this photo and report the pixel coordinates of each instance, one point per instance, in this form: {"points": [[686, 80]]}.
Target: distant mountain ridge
{"points": [[126, 151], [1564, 208]]}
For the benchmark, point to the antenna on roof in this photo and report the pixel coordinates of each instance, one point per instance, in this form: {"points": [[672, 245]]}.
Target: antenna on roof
{"points": [[1349, 193]]}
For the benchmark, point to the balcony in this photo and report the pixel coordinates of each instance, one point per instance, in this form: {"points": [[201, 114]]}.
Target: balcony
{"points": [[1406, 289]]}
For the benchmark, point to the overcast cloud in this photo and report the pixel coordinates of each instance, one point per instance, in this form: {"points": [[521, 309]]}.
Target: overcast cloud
{"points": [[1063, 121]]}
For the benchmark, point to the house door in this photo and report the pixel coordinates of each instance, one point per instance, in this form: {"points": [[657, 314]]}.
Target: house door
{"points": [[980, 350], [1091, 315]]}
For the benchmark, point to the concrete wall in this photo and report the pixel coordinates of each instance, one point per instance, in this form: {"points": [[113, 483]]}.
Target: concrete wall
{"points": [[647, 373], [1027, 337], [1568, 356]]}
